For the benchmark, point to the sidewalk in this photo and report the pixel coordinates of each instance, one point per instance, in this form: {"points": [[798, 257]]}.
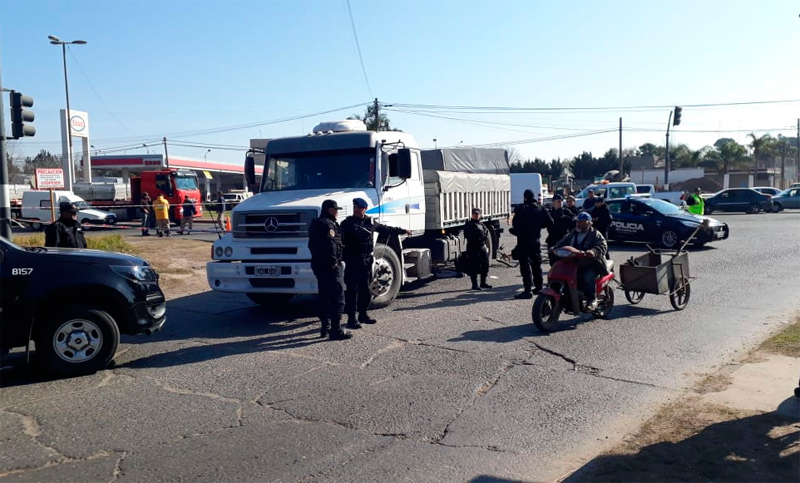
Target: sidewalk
{"points": [[741, 423]]}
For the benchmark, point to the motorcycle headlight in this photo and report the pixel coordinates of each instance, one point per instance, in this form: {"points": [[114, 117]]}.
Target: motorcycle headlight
{"points": [[136, 273]]}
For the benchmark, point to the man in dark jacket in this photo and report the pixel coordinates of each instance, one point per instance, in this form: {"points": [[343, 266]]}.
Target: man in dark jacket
{"points": [[601, 217], [562, 223], [187, 217], [585, 239], [477, 236], [588, 203], [65, 232], [359, 242], [529, 221], [325, 244]]}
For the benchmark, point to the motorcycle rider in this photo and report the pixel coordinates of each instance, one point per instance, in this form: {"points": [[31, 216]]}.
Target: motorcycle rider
{"points": [[584, 239], [562, 224]]}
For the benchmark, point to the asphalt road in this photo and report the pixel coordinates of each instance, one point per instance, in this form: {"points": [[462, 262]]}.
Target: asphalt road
{"points": [[450, 385]]}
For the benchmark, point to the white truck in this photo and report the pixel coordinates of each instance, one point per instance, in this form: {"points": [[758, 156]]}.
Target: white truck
{"points": [[431, 193], [522, 181], [36, 209]]}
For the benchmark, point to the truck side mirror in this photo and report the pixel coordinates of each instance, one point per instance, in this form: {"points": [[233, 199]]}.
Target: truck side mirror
{"points": [[250, 174], [404, 163]]}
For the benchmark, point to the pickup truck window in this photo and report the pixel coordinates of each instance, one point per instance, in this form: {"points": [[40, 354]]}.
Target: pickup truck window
{"points": [[319, 170]]}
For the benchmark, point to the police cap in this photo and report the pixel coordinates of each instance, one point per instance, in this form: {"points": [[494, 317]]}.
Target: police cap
{"points": [[67, 207], [328, 204]]}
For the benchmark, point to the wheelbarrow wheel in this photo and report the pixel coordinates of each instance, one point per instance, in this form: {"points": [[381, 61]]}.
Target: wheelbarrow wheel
{"points": [[679, 298], [634, 297]]}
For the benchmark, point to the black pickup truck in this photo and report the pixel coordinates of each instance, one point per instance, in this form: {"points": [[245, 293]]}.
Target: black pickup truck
{"points": [[73, 304]]}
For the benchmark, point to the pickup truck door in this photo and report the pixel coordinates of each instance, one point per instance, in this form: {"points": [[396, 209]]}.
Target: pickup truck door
{"points": [[16, 274]]}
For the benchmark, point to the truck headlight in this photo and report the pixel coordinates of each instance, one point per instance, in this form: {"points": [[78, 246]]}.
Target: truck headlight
{"points": [[218, 252], [137, 273], [228, 251]]}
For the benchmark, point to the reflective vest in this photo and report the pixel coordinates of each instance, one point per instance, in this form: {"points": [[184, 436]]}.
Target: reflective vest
{"points": [[698, 208], [161, 207]]}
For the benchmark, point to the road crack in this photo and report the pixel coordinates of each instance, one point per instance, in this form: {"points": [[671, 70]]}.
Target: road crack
{"points": [[217, 397], [118, 468], [395, 345], [32, 428]]}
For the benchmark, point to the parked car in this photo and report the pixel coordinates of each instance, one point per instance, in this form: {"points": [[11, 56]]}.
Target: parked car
{"points": [[767, 190], [746, 200], [789, 198], [76, 317], [660, 222]]}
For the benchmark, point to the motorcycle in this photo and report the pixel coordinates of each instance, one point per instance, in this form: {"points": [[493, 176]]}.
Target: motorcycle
{"points": [[562, 294]]}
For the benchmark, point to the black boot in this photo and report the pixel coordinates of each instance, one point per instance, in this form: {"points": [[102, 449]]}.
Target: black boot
{"points": [[366, 319], [483, 282], [326, 327], [475, 285], [337, 333], [352, 323]]}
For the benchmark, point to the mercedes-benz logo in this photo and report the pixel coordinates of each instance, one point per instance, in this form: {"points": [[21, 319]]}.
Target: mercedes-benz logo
{"points": [[271, 224]]}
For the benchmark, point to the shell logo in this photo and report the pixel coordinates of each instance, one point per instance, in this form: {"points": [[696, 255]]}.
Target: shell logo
{"points": [[78, 123]]}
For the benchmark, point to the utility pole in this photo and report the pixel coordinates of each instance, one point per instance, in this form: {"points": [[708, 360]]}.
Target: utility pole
{"points": [[377, 117], [666, 155], [621, 167], [166, 156], [5, 202]]}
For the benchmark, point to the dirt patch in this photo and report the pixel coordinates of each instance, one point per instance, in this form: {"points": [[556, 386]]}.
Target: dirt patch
{"points": [[694, 441], [713, 383], [181, 263]]}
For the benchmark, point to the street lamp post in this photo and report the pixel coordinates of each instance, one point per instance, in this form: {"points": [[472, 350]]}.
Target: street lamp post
{"points": [[56, 41], [204, 156]]}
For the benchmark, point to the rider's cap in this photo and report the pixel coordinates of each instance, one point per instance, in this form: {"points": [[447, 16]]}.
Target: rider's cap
{"points": [[360, 202], [584, 217], [328, 204]]}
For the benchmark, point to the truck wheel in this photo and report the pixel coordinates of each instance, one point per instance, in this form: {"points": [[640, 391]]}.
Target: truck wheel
{"points": [[387, 278], [77, 341], [272, 300]]}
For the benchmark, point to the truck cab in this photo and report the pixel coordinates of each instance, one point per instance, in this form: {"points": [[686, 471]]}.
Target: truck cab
{"points": [[174, 184]]}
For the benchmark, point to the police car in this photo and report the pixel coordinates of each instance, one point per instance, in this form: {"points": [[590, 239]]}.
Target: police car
{"points": [[660, 222]]}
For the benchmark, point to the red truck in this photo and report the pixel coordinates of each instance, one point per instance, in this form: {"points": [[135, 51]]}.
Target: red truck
{"points": [[174, 184]]}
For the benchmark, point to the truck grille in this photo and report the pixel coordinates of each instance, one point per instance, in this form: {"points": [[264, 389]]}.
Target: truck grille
{"points": [[277, 224]]}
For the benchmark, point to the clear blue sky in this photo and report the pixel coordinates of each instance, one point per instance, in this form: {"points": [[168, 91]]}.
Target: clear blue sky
{"points": [[160, 68]]}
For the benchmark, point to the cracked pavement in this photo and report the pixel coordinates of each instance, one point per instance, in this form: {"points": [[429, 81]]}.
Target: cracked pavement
{"points": [[450, 385]]}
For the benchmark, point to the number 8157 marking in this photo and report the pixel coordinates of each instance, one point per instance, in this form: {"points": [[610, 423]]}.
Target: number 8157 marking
{"points": [[21, 271]]}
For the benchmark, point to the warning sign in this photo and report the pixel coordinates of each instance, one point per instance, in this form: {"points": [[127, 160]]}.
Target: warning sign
{"points": [[49, 178]]}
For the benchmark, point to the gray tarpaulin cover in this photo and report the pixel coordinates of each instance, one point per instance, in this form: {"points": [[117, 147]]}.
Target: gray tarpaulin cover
{"points": [[466, 160]]}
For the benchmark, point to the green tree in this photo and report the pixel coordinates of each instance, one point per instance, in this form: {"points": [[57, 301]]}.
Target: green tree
{"points": [[42, 160], [584, 166], [760, 145], [646, 149], [731, 153], [369, 119], [557, 169]]}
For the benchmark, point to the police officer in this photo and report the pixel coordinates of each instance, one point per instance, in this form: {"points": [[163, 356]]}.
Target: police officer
{"points": [[601, 217], [562, 224], [529, 220], [357, 233], [477, 236], [325, 244], [65, 232]]}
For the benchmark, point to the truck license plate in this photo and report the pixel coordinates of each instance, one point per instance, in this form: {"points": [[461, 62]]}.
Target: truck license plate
{"points": [[267, 271]]}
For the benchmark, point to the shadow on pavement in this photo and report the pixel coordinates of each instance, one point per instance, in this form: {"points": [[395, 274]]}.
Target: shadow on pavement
{"points": [[756, 448], [500, 334]]}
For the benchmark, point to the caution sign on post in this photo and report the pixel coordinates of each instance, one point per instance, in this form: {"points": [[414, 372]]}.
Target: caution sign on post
{"points": [[49, 178]]}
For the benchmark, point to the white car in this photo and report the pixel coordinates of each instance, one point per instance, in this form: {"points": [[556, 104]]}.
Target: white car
{"points": [[36, 206]]}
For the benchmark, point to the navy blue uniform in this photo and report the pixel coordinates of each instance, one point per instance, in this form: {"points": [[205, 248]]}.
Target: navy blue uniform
{"points": [[529, 221], [359, 243], [325, 243], [477, 236], [64, 233]]}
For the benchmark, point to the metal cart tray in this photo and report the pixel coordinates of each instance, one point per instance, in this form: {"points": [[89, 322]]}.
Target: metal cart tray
{"points": [[649, 274]]}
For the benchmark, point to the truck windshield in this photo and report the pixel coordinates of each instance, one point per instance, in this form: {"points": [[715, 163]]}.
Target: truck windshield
{"points": [[320, 170], [186, 182]]}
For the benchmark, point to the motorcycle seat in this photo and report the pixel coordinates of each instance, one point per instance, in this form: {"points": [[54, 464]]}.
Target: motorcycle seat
{"points": [[610, 265]]}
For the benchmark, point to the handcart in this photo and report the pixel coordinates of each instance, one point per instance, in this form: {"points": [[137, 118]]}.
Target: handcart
{"points": [[658, 272]]}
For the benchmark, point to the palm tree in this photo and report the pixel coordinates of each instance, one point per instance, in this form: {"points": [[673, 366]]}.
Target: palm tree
{"points": [[759, 145], [731, 153]]}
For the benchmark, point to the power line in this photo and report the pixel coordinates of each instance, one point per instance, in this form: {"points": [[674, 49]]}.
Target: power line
{"points": [[574, 109], [102, 101], [358, 47]]}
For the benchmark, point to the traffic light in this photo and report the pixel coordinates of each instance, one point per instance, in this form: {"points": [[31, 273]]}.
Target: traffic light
{"points": [[676, 121], [19, 116]]}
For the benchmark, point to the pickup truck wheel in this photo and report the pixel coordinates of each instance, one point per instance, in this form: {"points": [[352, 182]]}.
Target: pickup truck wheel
{"points": [[273, 300], [387, 278], [77, 341]]}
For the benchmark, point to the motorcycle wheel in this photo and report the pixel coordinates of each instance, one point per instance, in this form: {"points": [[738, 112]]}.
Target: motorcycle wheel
{"points": [[545, 313], [634, 297], [606, 304], [680, 297]]}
